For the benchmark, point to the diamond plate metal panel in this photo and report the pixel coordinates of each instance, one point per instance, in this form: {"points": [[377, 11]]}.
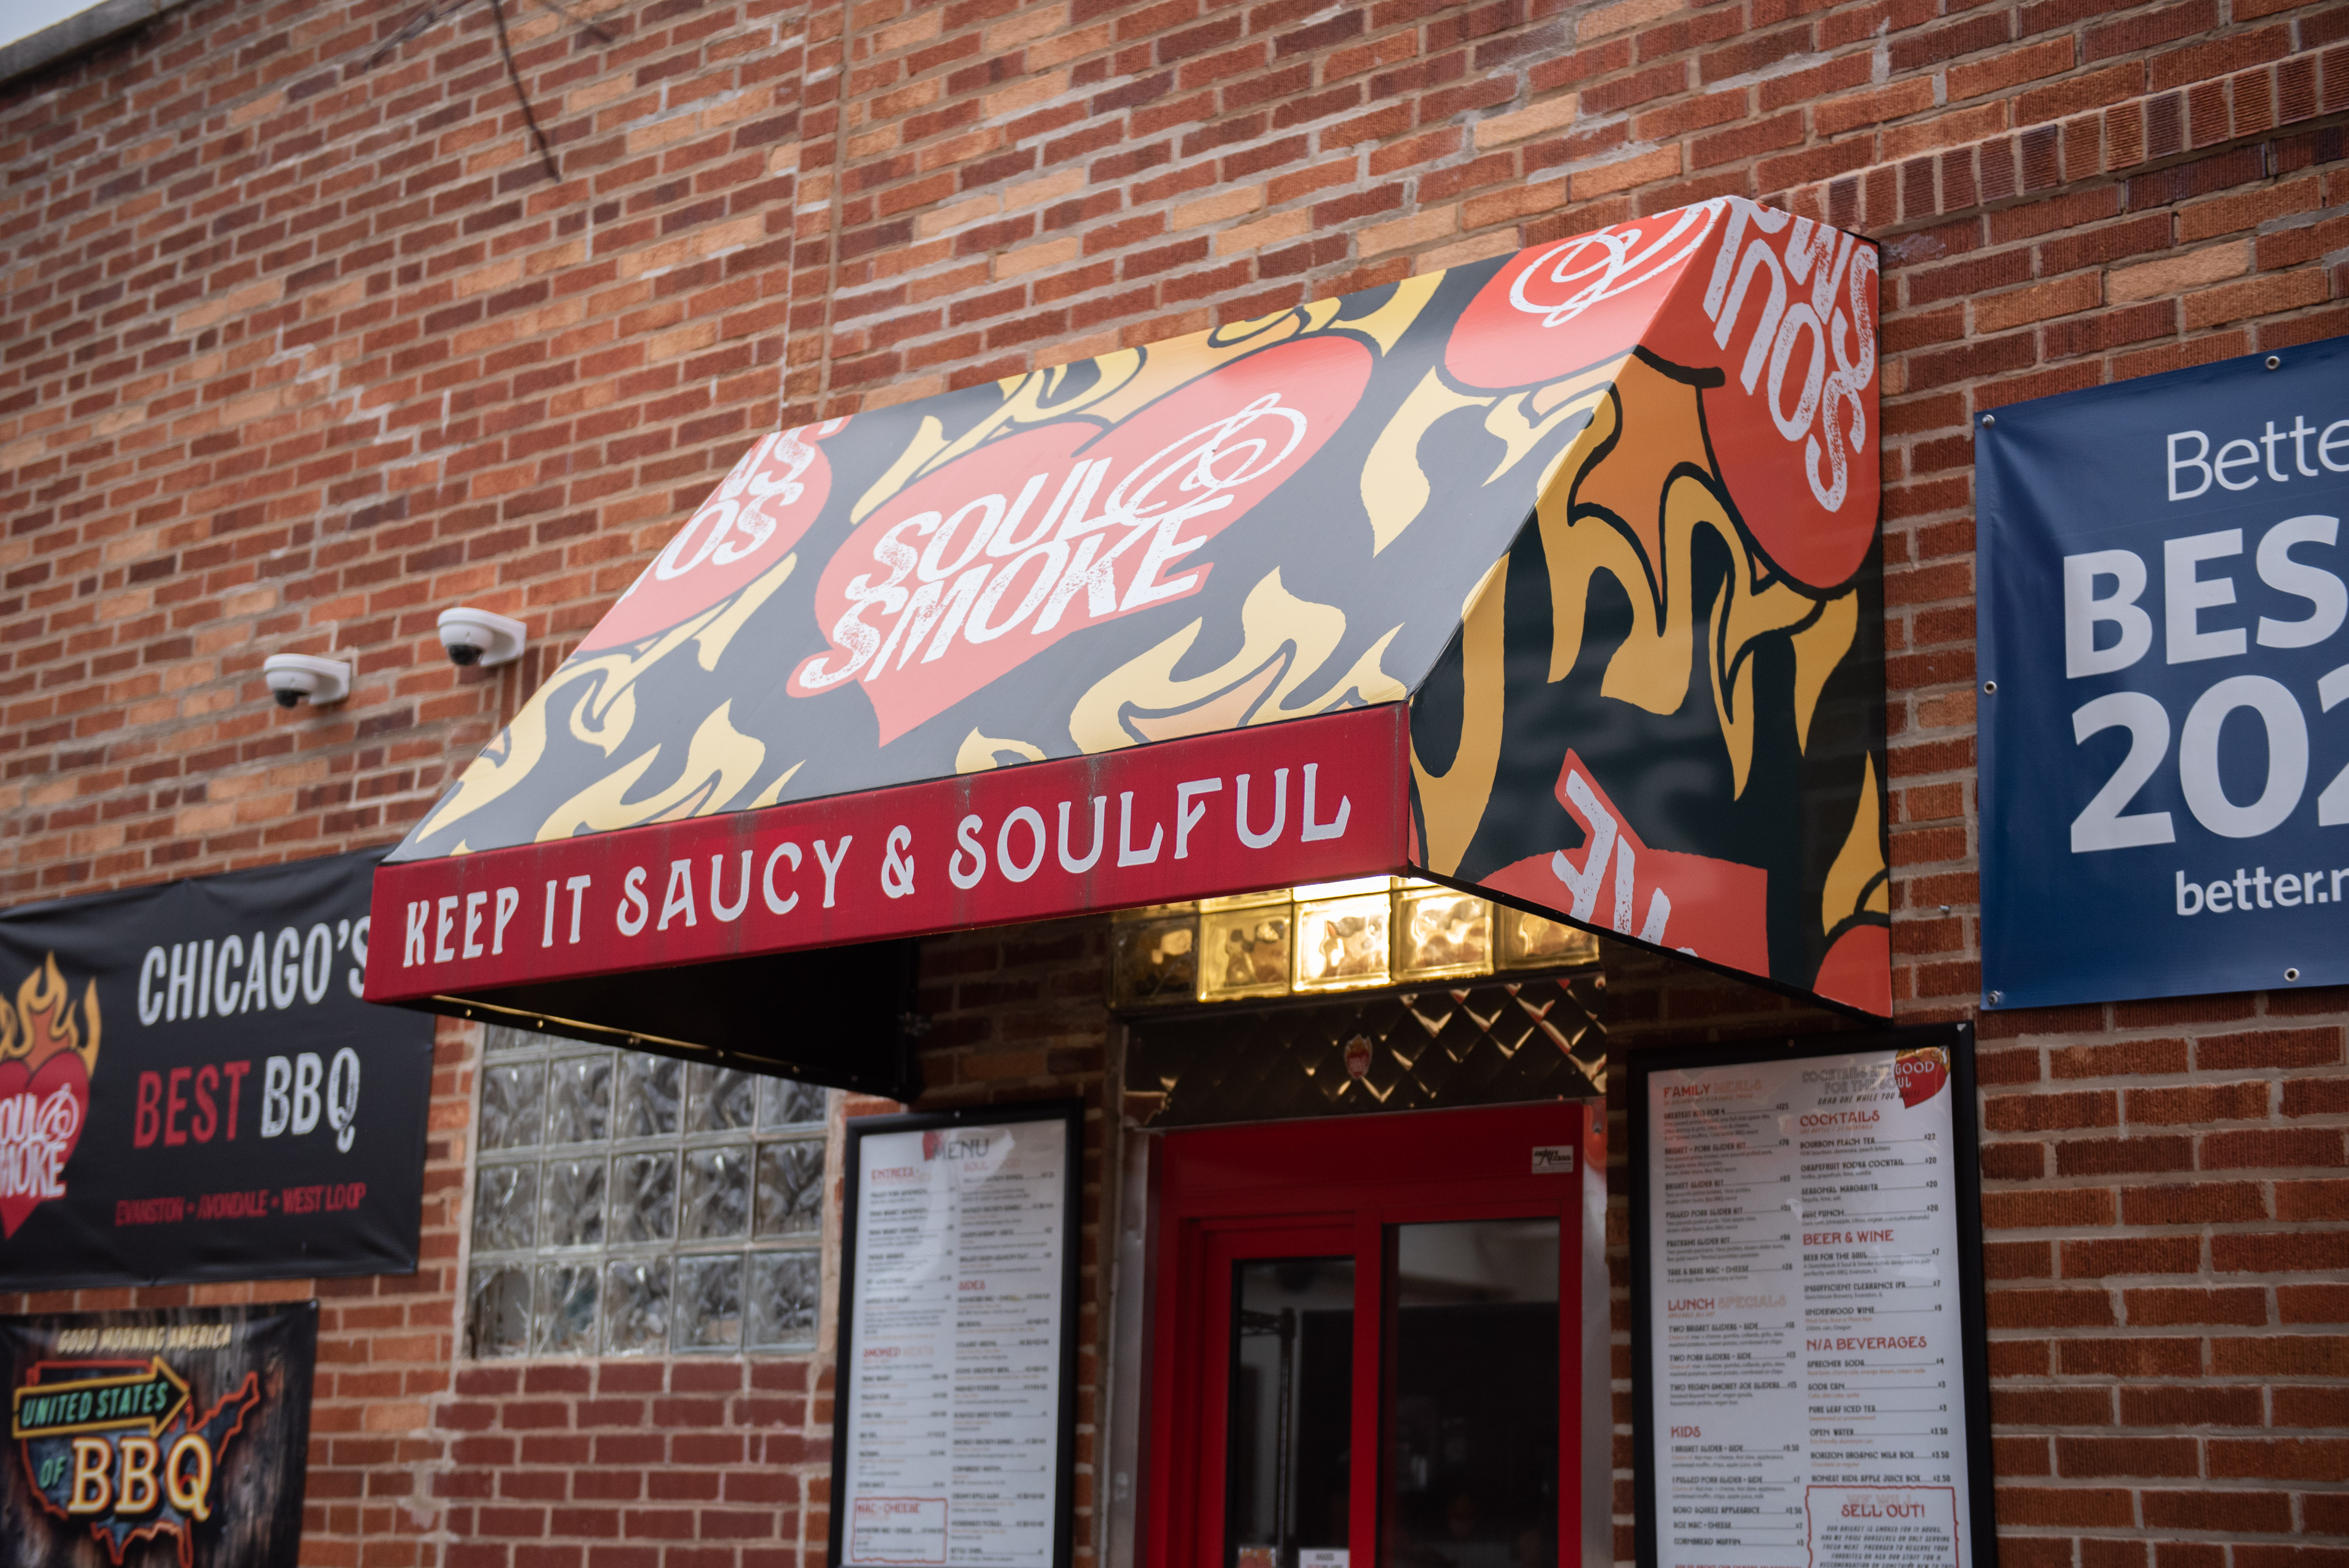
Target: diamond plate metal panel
{"points": [[1491, 1043]]}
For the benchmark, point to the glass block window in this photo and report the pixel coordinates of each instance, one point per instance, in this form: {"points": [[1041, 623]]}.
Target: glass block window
{"points": [[627, 1204]]}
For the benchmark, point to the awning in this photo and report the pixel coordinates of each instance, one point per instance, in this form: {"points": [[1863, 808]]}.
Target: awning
{"points": [[1554, 575]]}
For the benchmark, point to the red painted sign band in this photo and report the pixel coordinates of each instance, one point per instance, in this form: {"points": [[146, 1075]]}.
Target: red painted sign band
{"points": [[1312, 801]]}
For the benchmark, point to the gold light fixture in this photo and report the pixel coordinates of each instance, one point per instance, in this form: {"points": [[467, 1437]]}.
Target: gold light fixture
{"points": [[1155, 954], [1342, 941], [1530, 942], [1329, 937], [1244, 947], [1441, 931]]}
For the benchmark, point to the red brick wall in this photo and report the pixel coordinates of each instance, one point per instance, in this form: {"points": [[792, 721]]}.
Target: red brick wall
{"points": [[714, 1459], [292, 355]]}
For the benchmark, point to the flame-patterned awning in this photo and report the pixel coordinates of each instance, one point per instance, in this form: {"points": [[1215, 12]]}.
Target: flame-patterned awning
{"points": [[1554, 575]]}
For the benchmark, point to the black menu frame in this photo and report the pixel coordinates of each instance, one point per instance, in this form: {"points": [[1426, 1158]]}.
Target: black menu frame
{"points": [[1071, 1114], [1977, 1508]]}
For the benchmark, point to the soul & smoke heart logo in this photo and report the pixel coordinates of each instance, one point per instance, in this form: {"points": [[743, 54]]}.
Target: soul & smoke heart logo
{"points": [[47, 1054]]}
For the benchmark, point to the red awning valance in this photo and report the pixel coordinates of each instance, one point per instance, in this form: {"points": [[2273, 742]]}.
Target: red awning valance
{"points": [[1552, 576]]}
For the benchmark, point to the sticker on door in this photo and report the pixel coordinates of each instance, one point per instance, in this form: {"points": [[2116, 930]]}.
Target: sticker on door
{"points": [[1553, 1159]]}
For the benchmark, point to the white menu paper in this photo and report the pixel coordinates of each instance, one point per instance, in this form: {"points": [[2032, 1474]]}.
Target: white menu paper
{"points": [[954, 1388], [1806, 1358]]}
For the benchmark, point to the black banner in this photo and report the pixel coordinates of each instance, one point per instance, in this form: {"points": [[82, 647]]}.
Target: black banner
{"points": [[153, 1438], [191, 1087]]}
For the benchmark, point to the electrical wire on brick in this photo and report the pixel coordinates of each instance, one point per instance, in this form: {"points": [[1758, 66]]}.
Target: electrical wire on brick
{"points": [[433, 11]]}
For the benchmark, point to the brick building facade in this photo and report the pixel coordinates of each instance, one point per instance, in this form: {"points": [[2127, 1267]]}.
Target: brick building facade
{"points": [[299, 350]]}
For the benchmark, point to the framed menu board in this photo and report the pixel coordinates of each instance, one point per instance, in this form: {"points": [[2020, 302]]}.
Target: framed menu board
{"points": [[957, 1387], [1808, 1386]]}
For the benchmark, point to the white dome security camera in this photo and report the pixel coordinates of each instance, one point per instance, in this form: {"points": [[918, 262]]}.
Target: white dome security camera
{"points": [[479, 637], [295, 676]]}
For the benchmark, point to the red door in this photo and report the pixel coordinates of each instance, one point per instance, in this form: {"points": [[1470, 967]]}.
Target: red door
{"points": [[1371, 1345]]}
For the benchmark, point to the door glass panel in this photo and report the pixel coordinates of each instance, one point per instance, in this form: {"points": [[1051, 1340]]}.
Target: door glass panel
{"points": [[1292, 1410], [1471, 1426]]}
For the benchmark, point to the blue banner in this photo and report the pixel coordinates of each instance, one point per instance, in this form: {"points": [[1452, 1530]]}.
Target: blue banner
{"points": [[2164, 684]]}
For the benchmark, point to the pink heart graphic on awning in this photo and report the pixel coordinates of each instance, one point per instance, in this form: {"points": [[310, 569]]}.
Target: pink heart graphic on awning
{"points": [[980, 565], [749, 525]]}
